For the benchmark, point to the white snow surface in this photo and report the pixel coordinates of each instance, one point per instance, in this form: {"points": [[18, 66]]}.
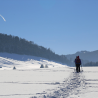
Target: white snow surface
{"points": [[56, 81]]}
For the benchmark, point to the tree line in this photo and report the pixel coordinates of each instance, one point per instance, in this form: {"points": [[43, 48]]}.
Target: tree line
{"points": [[89, 64], [14, 44]]}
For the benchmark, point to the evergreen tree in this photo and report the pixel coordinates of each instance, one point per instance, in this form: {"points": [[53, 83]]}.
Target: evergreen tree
{"points": [[42, 66], [14, 44]]}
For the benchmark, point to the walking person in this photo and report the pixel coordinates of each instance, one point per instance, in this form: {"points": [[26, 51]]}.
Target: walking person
{"points": [[77, 63]]}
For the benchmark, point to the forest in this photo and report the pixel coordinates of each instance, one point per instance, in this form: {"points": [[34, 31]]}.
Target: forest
{"points": [[14, 44], [89, 64]]}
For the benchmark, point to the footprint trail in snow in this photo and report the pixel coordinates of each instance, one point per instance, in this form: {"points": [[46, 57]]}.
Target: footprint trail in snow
{"points": [[71, 87]]}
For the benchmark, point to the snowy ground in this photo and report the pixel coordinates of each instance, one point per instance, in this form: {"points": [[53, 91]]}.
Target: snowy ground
{"points": [[57, 81]]}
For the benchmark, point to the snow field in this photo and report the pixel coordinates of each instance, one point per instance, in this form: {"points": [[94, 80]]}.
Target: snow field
{"points": [[29, 79], [91, 78], [77, 85], [56, 81], [28, 83]]}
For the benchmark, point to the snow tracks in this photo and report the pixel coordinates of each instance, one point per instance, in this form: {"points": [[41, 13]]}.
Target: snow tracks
{"points": [[71, 87]]}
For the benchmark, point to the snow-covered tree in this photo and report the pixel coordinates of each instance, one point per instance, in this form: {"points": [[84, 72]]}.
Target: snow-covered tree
{"points": [[42, 66], [14, 68], [46, 66]]}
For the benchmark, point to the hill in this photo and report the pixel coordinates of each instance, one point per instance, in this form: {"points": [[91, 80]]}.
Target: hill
{"points": [[8, 61], [86, 56], [90, 64], [16, 45]]}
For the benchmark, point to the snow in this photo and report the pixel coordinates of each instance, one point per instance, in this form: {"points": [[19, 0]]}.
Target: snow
{"points": [[56, 81]]}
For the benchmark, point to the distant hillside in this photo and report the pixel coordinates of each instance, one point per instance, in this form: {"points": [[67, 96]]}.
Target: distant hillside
{"points": [[14, 44], [91, 64], [86, 56], [8, 61]]}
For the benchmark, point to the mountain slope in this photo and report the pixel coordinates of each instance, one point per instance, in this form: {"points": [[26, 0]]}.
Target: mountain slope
{"points": [[14, 44], [8, 61], [86, 56]]}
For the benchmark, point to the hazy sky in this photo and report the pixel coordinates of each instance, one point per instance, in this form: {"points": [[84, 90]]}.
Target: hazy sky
{"points": [[64, 26]]}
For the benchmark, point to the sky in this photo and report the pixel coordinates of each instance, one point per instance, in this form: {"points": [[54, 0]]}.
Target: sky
{"points": [[64, 26]]}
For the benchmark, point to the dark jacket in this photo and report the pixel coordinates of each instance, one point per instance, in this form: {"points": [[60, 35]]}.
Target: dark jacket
{"points": [[78, 61]]}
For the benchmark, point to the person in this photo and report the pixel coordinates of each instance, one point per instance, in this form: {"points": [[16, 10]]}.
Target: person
{"points": [[77, 63]]}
